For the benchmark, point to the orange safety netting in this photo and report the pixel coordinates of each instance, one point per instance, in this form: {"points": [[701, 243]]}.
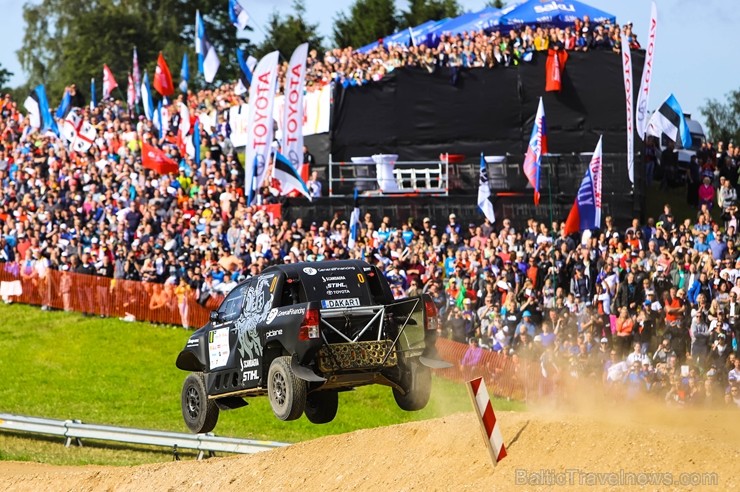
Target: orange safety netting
{"points": [[103, 296]]}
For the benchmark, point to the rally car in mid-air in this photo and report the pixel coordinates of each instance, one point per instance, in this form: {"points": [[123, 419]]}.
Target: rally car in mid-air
{"points": [[300, 334]]}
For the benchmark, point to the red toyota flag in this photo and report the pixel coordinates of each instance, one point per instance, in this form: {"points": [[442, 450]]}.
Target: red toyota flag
{"points": [[156, 160], [109, 82], [163, 78], [554, 69]]}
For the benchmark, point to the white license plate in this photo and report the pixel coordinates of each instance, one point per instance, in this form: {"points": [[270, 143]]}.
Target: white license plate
{"points": [[340, 303]]}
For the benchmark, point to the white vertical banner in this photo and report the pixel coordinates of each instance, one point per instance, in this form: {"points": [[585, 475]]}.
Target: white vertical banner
{"points": [[292, 127], [628, 97], [260, 121], [643, 98]]}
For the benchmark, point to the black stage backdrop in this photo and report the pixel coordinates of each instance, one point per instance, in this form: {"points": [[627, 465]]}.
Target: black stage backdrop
{"points": [[418, 116]]}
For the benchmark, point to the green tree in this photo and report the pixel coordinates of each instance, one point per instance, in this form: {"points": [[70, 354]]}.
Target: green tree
{"points": [[723, 118], [285, 34], [420, 11], [68, 41], [367, 21], [5, 76], [497, 4]]}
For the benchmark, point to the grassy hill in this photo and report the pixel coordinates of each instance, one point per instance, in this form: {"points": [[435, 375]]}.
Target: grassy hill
{"points": [[106, 371]]}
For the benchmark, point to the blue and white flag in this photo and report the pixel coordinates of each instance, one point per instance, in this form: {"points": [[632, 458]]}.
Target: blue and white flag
{"points": [[208, 62], [238, 15], [288, 177], [146, 98], [93, 103], [184, 74], [669, 119], [158, 122], [245, 73], [65, 105], [484, 192], [39, 112], [354, 224]]}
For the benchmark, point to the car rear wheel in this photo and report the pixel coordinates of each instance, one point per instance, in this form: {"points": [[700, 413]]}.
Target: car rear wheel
{"points": [[200, 413], [321, 407], [287, 393], [417, 381]]}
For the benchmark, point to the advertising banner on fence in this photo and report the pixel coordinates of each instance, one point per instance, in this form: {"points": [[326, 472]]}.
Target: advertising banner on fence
{"points": [[316, 108]]}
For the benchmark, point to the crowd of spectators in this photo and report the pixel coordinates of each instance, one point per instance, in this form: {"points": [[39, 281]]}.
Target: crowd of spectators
{"points": [[651, 308], [469, 49]]}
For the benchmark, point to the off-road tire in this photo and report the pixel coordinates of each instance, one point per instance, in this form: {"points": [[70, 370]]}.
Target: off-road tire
{"points": [[321, 407], [200, 413], [286, 392], [417, 381]]}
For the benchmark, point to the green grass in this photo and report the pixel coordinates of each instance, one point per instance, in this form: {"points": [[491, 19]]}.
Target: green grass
{"points": [[106, 371]]}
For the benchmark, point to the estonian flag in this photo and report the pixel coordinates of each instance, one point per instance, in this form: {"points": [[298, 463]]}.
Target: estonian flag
{"points": [[39, 113], [669, 119], [238, 15], [288, 177], [207, 58]]}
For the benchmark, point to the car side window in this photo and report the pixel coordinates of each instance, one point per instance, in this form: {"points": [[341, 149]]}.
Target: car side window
{"points": [[232, 305]]}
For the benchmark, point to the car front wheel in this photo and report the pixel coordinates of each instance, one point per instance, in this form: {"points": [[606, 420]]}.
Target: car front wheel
{"points": [[200, 413], [287, 392]]}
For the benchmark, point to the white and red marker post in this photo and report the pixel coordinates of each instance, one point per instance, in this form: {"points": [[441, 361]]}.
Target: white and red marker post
{"points": [[487, 419]]}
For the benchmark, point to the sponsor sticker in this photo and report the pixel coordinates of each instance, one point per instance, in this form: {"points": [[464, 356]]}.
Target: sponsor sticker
{"points": [[218, 347], [271, 315], [272, 284], [336, 278], [310, 271], [340, 303], [361, 278]]}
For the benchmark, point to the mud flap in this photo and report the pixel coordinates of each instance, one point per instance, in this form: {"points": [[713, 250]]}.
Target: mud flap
{"points": [[304, 372], [413, 335]]}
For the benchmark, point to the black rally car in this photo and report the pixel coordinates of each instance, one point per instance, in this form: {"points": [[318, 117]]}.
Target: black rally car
{"points": [[301, 333]]}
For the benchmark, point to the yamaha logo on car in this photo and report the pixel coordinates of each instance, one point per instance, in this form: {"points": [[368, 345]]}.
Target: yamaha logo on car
{"points": [[271, 315], [310, 271]]}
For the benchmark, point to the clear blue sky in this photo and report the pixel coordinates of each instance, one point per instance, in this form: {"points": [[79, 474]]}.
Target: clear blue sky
{"points": [[693, 59]]}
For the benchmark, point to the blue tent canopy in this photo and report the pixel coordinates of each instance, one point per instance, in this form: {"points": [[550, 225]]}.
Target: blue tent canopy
{"points": [[558, 13], [404, 36]]}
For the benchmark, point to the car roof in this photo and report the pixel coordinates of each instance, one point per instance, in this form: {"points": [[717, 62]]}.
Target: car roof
{"points": [[297, 269]]}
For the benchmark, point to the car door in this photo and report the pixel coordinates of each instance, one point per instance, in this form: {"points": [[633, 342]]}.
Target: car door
{"points": [[220, 339], [258, 301]]}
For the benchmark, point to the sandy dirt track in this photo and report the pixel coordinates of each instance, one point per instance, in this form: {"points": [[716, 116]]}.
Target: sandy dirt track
{"points": [[449, 454]]}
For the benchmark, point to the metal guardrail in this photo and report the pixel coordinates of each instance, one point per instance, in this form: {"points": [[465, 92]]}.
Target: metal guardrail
{"points": [[75, 431]]}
